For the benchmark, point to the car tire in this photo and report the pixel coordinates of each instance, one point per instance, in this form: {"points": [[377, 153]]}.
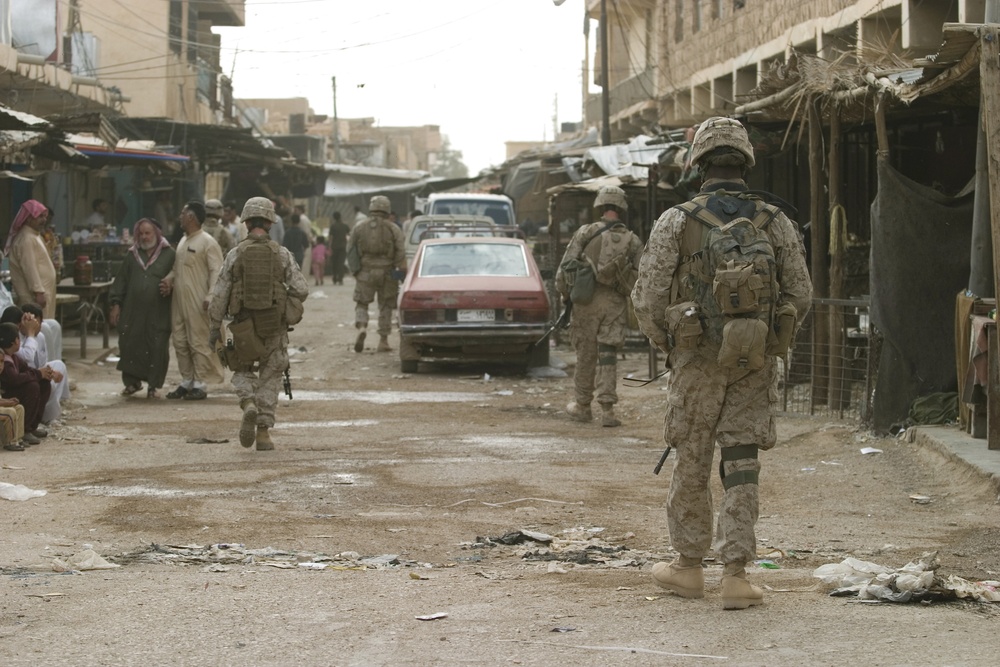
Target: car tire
{"points": [[538, 355], [408, 365]]}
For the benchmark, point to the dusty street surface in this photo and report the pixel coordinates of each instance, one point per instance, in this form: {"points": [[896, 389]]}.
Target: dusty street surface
{"points": [[390, 483]]}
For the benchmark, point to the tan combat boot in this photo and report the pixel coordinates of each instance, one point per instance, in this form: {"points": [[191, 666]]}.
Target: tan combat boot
{"points": [[248, 424], [264, 443], [737, 592], [684, 576], [383, 344], [608, 415], [359, 342], [580, 413]]}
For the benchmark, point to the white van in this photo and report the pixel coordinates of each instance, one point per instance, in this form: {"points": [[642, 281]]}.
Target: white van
{"points": [[499, 208]]}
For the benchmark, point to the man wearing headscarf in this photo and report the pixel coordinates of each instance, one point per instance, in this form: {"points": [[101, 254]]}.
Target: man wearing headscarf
{"points": [[196, 268], [140, 308], [31, 268]]}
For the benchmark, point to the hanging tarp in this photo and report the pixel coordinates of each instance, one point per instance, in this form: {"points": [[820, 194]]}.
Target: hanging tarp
{"points": [[351, 181], [919, 262]]}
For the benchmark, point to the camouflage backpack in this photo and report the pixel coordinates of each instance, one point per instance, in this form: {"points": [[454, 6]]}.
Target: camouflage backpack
{"points": [[730, 281]]}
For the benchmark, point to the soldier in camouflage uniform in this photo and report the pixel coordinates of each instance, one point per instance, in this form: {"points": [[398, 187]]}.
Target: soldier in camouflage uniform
{"points": [[213, 226], [255, 283], [374, 250], [707, 403], [598, 329]]}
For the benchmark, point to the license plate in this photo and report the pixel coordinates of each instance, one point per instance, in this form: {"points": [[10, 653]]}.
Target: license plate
{"points": [[477, 315]]}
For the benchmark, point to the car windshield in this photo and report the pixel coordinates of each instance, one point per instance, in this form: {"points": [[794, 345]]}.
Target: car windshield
{"points": [[498, 211], [474, 259]]}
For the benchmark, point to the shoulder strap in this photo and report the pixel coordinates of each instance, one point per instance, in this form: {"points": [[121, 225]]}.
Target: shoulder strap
{"points": [[593, 236]]}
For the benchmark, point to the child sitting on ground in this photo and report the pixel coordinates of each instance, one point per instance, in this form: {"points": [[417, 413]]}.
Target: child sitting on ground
{"points": [[11, 425], [320, 253], [30, 386]]}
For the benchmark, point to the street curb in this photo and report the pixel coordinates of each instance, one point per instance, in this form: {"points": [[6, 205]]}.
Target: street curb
{"points": [[958, 446]]}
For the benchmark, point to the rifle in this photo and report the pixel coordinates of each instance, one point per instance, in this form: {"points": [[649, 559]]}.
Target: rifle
{"points": [[561, 323], [663, 459], [288, 384]]}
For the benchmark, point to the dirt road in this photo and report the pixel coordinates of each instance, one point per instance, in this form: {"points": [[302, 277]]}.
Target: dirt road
{"points": [[378, 506]]}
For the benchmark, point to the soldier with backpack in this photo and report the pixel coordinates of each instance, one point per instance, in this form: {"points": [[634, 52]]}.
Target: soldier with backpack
{"points": [[722, 286], [596, 275]]}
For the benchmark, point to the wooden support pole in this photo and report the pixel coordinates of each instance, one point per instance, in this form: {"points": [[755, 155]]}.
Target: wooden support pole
{"points": [[989, 76], [838, 247], [818, 244]]}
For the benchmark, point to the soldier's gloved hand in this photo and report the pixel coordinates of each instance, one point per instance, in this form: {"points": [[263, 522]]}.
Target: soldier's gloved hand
{"points": [[213, 337]]}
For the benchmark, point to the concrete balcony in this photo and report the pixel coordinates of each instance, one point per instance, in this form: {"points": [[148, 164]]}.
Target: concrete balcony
{"points": [[632, 105], [221, 12], [32, 85]]}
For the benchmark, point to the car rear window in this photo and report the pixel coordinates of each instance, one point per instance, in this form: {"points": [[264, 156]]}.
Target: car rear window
{"points": [[499, 212], [474, 259]]}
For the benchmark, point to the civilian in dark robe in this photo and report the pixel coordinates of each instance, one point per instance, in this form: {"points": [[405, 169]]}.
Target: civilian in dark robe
{"points": [[337, 242], [141, 310]]}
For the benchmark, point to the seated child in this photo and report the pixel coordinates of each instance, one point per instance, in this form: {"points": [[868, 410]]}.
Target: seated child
{"points": [[11, 425], [30, 386]]}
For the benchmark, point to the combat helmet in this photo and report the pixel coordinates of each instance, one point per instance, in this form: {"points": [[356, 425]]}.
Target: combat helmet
{"points": [[380, 204], [612, 196], [213, 207], [258, 207], [718, 132]]}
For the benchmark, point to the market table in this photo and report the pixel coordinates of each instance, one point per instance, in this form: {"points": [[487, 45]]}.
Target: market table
{"points": [[93, 299]]}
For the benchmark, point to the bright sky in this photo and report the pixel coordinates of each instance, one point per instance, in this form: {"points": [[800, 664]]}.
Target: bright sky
{"points": [[485, 71]]}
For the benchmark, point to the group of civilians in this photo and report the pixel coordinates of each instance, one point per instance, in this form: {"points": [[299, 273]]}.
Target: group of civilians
{"points": [[160, 294], [32, 383]]}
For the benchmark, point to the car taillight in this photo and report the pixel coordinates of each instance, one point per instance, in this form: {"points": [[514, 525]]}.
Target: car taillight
{"points": [[524, 315], [422, 316]]}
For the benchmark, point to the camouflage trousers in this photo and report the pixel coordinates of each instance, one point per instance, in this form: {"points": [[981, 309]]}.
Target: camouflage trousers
{"points": [[597, 333], [371, 284], [709, 404], [263, 385]]}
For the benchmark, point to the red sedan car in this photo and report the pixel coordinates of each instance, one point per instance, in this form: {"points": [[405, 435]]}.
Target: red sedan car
{"points": [[473, 298]]}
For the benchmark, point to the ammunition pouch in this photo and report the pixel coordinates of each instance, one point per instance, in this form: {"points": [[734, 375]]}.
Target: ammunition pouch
{"points": [[684, 326], [248, 346], [744, 343]]}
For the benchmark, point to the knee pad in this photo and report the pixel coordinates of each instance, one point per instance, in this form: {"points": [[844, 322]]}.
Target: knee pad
{"points": [[738, 453]]}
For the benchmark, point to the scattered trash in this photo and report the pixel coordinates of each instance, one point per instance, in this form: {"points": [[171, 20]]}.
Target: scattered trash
{"points": [[112, 359], [807, 470], [518, 537], [767, 564], [418, 576], [832, 463], [541, 372], [432, 617], [486, 377], [917, 581], [19, 492], [85, 560], [238, 554], [206, 441], [920, 499], [503, 392], [870, 450], [563, 630]]}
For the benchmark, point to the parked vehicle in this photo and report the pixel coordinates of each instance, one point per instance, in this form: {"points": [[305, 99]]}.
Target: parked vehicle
{"points": [[473, 299], [499, 208]]}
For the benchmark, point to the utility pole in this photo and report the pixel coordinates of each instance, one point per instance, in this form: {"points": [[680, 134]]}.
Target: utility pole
{"points": [[336, 125], [605, 95]]}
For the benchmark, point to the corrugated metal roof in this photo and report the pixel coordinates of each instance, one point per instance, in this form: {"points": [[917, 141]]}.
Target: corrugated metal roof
{"points": [[18, 120]]}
